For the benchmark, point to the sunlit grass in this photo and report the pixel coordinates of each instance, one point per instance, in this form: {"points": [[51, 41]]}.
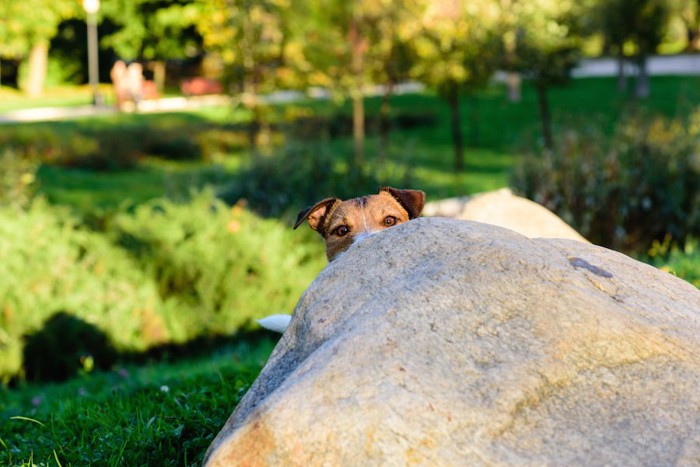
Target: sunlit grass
{"points": [[85, 189], [165, 414], [62, 96]]}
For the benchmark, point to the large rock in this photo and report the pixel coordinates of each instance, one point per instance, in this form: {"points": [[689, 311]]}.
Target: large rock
{"points": [[505, 209], [445, 342]]}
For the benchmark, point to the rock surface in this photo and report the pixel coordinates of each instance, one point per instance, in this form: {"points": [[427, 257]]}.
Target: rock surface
{"points": [[504, 209], [445, 342]]}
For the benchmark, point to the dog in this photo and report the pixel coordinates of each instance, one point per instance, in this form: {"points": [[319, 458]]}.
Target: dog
{"points": [[343, 223]]}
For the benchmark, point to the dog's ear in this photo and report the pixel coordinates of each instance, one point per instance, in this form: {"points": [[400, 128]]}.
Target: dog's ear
{"points": [[411, 200], [316, 214]]}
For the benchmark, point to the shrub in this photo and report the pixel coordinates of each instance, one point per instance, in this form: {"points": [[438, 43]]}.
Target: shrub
{"points": [[339, 124], [220, 267], [107, 150], [17, 179], [299, 174], [176, 147], [162, 273], [217, 142], [682, 261], [51, 265], [623, 191], [39, 143], [119, 146]]}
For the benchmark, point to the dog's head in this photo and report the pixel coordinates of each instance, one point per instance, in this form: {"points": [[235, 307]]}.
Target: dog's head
{"points": [[342, 223]]}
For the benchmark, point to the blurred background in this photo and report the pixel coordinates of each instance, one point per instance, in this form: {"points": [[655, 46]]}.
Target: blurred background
{"points": [[154, 153]]}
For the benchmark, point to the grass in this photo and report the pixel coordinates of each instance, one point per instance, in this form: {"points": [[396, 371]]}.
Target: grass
{"points": [[62, 96], [167, 413], [680, 261], [87, 190]]}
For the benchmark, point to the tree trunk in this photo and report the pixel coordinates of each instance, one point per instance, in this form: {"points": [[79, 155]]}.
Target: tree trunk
{"points": [[545, 115], [159, 75], [252, 103], [253, 131], [510, 39], [455, 124], [358, 46], [513, 82], [621, 78], [358, 129], [385, 124], [642, 86], [38, 64], [692, 35], [474, 120]]}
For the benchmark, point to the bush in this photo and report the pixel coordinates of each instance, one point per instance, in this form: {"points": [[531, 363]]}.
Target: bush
{"points": [[339, 124], [299, 174], [119, 146], [164, 273], [220, 267], [106, 150], [17, 179], [624, 191], [217, 142], [51, 265], [683, 261]]}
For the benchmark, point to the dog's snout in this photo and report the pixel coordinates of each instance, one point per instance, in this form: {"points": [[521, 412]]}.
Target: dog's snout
{"points": [[363, 235]]}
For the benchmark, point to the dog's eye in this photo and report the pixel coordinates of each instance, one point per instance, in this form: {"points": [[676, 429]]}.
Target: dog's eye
{"points": [[390, 220], [341, 231]]}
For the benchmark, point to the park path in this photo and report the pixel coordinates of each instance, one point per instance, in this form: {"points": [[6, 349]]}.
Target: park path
{"points": [[166, 104], [688, 65]]}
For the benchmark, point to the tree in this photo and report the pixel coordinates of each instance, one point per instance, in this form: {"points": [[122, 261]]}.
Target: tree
{"points": [[688, 11], [390, 59], [250, 36], [547, 47], [456, 45], [337, 37], [640, 23], [153, 30], [26, 28]]}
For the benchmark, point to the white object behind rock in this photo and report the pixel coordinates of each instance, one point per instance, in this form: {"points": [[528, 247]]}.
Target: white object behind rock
{"points": [[276, 323]]}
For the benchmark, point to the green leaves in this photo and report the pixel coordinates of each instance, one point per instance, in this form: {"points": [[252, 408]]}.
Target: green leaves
{"points": [[152, 31], [164, 273], [29, 21]]}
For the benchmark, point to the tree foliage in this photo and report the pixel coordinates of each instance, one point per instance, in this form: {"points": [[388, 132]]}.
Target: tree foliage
{"points": [[25, 30], [152, 30], [456, 49], [640, 24], [342, 43], [250, 37], [546, 47], [24, 23], [688, 13]]}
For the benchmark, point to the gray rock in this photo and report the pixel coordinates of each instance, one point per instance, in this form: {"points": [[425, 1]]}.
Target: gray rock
{"points": [[445, 342], [504, 209]]}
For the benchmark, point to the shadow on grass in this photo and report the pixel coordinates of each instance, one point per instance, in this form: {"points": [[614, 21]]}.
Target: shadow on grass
{"points": [[67, 346]]}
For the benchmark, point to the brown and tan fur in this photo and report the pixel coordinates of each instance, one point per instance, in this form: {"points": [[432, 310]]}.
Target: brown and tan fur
{"points": [[342, 223]]}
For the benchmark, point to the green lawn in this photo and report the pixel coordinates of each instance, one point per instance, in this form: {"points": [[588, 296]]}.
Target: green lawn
{"points": [[163, 414], [11, 99], [87, 190]]}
